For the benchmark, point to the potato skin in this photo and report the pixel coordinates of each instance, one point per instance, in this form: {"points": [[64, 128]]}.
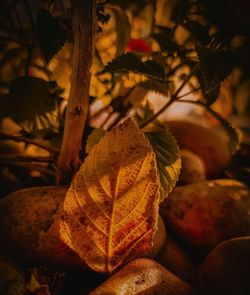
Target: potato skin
{"points": [[211, 147], [226, 268], [175, 260], [192, 168], [29, 227], [206, 213], [143, 277], [158, 240]]}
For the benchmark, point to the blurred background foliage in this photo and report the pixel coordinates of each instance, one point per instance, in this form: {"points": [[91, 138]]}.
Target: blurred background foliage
{"points": [[145, 51]]}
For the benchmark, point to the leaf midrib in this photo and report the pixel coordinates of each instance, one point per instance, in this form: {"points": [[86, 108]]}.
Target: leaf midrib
{"points": [[109, 269]]}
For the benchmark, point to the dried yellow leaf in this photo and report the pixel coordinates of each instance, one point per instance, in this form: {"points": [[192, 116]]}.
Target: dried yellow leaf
{"points": [[111, 208]]}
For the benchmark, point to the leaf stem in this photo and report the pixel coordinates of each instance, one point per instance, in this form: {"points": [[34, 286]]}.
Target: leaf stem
{"points": [[174, 97], [188, 93]]}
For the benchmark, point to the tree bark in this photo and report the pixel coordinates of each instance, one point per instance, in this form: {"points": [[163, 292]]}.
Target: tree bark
{"points": [[84, 31]]}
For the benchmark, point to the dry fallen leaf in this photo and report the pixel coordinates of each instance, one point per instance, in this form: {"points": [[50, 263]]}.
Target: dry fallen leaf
{"points": [[111, 208]]}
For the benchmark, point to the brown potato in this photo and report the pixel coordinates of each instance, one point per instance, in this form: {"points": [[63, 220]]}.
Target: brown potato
{"points": [[158, 240], [192, 168], [206, 213], [143, 277], [175, 260], [211, 147], [29, 227], [226, 269]]}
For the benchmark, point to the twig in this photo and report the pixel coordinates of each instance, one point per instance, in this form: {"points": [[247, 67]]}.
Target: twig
{"points": [[27, 140], [173, 98], [188, 93]]}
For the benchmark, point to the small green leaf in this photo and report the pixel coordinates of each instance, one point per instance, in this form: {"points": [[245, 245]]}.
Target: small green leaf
{"points": [[198, 30], [123, 29], [215, 66], [94, 138], [52, 34], [164, 40], [143, 113], [167, 156], [130, 62], [155, 86], [33, 103], [232, 132]]}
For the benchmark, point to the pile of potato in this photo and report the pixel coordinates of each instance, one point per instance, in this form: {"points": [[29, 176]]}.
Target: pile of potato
{"points": [[202, 245]]}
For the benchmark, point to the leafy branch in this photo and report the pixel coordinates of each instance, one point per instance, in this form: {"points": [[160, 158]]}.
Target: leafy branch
{"points": [[173, 97], [130, 62]]}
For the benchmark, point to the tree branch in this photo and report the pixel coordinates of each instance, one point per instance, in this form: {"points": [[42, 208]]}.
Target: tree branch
{"points": [[84, 31]]}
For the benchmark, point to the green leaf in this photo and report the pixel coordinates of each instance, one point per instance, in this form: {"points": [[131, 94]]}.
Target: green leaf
{"points": [[215, 66], [52, 34], [144, 112], [130, 62], [165, 41], [199, 31], [94, 138], [155, 86], [11, 279], [232, 132], [123, 29], [167, 156], [33, 103]]}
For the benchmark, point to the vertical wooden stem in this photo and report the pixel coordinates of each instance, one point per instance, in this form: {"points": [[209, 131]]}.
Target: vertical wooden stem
{"points": [[84, 31]]}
